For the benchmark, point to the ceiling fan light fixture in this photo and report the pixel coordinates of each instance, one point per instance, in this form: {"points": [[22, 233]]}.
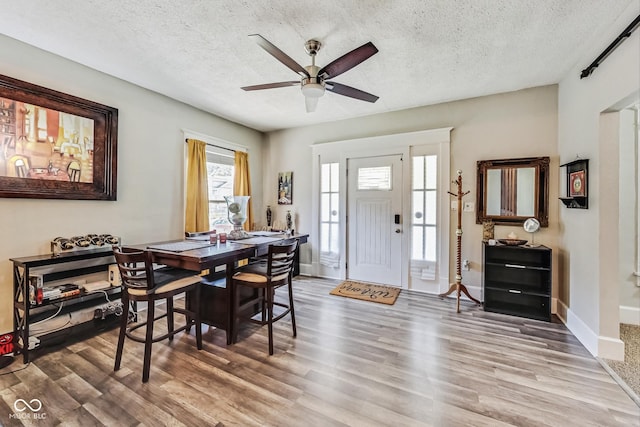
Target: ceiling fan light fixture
{"points": [[314, 77], [311, 103], [312, 91]]}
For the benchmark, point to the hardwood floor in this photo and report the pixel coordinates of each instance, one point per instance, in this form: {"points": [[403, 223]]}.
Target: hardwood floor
{"points": [[355, 363]]}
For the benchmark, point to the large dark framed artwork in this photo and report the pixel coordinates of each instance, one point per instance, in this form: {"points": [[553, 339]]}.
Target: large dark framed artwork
{"points": [[285, 188], [55, 145]]}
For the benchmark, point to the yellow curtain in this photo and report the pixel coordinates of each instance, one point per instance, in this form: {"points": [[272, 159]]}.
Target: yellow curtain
{"points": [[197, 210], [241, 183]]}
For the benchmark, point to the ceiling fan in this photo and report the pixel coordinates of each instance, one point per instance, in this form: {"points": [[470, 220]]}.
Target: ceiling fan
{"points": [[314, 79]]}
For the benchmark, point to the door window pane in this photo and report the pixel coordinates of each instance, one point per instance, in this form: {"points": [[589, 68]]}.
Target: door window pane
{"points": [[417, 241], [430, 207], [325, 177], [334, 177], [431, 173], [418, 173], [325, 207], [418, 214], [374, 178]]}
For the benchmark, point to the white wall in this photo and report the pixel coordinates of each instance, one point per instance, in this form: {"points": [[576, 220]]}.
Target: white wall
{"points": [[150, 165], [509, 125], [589, 238]]}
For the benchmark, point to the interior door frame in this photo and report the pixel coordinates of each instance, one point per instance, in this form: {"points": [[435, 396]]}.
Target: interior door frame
{"points": [[406, 144]]}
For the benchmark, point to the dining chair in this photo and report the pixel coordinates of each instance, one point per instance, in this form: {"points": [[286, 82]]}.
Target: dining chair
{"points": [[266, 278], [142, 283], [73, 169]]}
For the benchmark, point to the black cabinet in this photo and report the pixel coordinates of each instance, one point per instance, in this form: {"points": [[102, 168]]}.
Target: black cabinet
{"points": [[517, 280], [29, 309]]}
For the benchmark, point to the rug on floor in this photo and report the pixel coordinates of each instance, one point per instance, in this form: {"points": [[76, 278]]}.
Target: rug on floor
{"points": [[367, 292], [629, 369]]}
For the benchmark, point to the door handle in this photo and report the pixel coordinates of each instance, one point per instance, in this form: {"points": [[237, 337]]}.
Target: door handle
{"points": [[398, 231]]}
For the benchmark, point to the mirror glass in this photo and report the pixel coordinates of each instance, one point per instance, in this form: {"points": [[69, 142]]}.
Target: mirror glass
{"points": [[512, 190]]}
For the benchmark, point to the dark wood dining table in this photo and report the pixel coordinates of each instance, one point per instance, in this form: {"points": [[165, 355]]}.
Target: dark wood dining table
{"points": [[217, 293]]}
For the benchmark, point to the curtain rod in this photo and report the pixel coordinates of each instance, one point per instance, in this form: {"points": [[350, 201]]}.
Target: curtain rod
{"points": [[626, 33], [213, 145]]}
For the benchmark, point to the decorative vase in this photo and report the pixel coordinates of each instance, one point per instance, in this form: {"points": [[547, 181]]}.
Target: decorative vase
{"points": [[237, 214], [269, 217], [487, 230]]}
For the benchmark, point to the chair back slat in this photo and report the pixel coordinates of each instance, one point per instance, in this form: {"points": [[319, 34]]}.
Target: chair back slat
{"points": [[280, 259], [136, 268]]}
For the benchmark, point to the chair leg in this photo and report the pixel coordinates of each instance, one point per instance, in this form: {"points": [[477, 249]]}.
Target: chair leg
{"points": [[170, 324], [148, 341], [123, 329], [263, 304], [270, 292], [291, 310], [196, 316]]}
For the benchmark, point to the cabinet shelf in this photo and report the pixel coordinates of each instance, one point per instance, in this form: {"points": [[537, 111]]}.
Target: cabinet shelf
{"points": [[75, 300], [502, 289], [517, 281], [50, 269], [523, 267], [580, 202]]}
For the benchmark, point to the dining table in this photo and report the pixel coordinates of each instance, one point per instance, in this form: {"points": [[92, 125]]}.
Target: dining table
{"points": [[217, 263]]}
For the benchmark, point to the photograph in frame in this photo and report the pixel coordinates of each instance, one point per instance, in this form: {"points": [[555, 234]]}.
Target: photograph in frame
{"points": [[285, 188]]}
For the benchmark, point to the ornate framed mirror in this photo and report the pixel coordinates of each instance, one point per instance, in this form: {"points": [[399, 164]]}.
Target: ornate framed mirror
{"points": [[511, 190]]}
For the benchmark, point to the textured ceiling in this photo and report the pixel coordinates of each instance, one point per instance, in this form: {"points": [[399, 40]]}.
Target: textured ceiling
{"points": [[430, 51]]}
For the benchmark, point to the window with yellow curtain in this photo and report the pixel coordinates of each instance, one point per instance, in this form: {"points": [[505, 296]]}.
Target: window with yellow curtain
{"points": [[214, 172], [242, 183], [196, 217]]}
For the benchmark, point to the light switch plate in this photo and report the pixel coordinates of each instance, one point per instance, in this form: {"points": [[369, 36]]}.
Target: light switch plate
{"points": [[454, 205], [469, 207]]}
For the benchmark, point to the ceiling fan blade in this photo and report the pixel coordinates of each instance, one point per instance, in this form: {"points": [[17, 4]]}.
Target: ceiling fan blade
{"points": [[271, 85], [349, 91], [279, 55], [348, 61]]}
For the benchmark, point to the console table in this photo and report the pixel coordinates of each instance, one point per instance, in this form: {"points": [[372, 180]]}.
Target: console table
{"points": [[27, 309]]}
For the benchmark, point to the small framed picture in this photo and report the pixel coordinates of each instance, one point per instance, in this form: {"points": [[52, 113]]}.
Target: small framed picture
{"points": [[285, 188], [577, 183]]}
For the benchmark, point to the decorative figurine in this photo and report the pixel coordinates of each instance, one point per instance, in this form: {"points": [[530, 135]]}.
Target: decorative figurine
{"points": [[289, 221], [269, 217]]}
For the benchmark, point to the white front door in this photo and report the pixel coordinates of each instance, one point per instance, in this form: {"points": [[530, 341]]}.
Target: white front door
{"points": [[374, 209]]}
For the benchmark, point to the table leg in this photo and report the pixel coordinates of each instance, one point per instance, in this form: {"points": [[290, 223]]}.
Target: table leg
{"points": [[230, 301]]}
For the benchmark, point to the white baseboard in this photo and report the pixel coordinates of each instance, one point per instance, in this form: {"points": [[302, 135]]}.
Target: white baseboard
{"points": [[630, 315], [306, 270], [598, 346]]}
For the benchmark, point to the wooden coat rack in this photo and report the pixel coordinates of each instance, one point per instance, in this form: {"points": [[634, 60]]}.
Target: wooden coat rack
{"points": [[458, 286]]}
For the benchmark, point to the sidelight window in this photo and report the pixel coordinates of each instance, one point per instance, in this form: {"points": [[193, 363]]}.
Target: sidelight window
{"points": [[329, 214], [424, 216]]}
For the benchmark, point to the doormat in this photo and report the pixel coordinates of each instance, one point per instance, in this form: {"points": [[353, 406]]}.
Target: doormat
{"points": [[367, 292]]}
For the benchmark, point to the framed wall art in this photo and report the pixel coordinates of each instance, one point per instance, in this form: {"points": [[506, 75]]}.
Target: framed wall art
{"points": [[54, 145], [285, 188]]}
